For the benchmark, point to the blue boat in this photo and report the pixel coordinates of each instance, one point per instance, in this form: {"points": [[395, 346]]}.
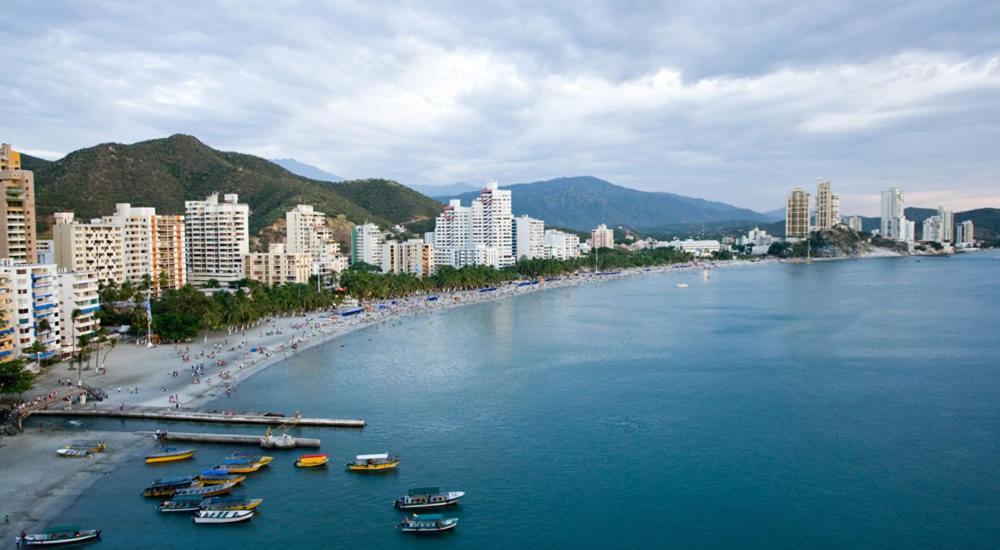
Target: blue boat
{"points": [[488, 289], [352, 311], [427, 523], [432, 298]]}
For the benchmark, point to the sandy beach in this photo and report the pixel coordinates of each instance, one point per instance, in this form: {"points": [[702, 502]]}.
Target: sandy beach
{"points": [[38, 484]]}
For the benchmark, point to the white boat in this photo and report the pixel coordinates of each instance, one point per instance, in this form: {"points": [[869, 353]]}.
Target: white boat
{"points": [[222, 516], [427, 497], [682, 285], [73, 453]]}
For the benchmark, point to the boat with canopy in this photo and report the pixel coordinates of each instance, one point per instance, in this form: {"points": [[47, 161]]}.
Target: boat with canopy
{"points": [[427, 497], [373, 463], [427, 523]]}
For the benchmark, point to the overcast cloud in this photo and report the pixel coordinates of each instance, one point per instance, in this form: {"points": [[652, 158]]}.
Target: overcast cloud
{"points": [[736, 102]]}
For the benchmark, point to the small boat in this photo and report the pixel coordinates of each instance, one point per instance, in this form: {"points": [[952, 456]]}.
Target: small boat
{"points": [[219, 476], [372, 463], [91, 445], [681, 285], [189, 503], [73, 453], [427, 523], [169, 455], [312, 461], [231, 503], [167, 486], [206, 491], [222, 516], [244, 465], [62, 535], [427, 497]]}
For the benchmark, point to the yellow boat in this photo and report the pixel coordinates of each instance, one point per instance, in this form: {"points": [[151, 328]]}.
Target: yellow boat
{"points": [[245, 466], [231, 503], [373, 463], [169, 455], [312, 461]]}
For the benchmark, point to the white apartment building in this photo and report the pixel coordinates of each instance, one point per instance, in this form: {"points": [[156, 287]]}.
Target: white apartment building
{"points": [[77, 294], [965, 233], [366, 244], [413, 256], [697, 247], [947, 224], [308, 233], [894, 223], [33, 307], [529, 238], [932, 230], [97, 247], [756, 242], [277, 266], [492, 223], [452, 231], [479, 234], [46, 251], [827, 206], [217, 238], [559, 245], [602, 237], [855, 223], [139, 239]]}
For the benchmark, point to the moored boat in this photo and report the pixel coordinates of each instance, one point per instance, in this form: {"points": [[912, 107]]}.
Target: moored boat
{"points": [[219, 476], [222, 516], [231, 503], [61, 535], [91, 445], [73, 453], [206, 491], [167, 486], [244, 465], [427, 523], [169, 455], [312, 461], [373, 463], [189, 503], [427, 497]]}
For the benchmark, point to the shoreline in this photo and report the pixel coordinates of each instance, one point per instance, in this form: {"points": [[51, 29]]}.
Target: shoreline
{"points": [[282, 337]]}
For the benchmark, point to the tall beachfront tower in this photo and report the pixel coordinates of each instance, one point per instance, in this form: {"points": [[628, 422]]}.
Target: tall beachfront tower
{"points": [[965, 233], [17, 208], [452, 233], [602, 237], [96, 247], [217, 238], [529, 238], [947, 224], [893, 221], [366, 244], [827, 206], [308, 233], [797, 214], [491, 223]]}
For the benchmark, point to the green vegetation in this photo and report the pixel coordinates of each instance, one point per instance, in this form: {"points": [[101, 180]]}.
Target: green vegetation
{"points": [[13, 378], [163, 173]]}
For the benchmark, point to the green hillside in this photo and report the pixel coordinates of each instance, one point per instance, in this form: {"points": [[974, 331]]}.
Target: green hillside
{"points": [[163, 173]]}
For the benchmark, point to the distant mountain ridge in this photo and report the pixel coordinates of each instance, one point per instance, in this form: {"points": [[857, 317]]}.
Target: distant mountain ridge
{"points": [[307, 170], [163, 173], [582, 202], [449, 190]]}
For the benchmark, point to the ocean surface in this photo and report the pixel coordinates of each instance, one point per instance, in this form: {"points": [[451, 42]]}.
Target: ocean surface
{"points": [[836, 404]]}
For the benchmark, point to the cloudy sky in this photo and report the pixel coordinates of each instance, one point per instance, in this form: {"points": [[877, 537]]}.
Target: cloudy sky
{"points": [[736, 101]]}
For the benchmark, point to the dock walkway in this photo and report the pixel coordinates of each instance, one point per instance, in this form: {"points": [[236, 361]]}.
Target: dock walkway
{"points": [[181, 415]]}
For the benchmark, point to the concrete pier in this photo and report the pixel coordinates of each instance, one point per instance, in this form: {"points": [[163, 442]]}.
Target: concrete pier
{"points": [[178, 415], [229, 439]]}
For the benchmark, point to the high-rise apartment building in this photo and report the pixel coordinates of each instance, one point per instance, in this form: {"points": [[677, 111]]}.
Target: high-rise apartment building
{"points": [[932, 229], [894, 222], [308, 233], [855, 223], [278, 266], [366, 244], [947, 224], [138, 240], [34, 311], [560, 245], [17, 208], [491, 222], [217, 238], [797, 214], [413, 256], [827, 206], [96, 247], [452, 233], [169, 253], [602, 237], [529, 238], [965, 233]]}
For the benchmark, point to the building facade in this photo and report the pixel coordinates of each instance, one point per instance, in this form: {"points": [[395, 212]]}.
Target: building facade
{"points": [[855, 223], [894, 223], [602, 237], [452, 233], [366, 244], [797, 214], [34, 308], [932, 229], [217, 238], [413, 256], [78, 303], [529, 238], [277, 266], [560, 245], [308, 233], [96, 247], [169, 253], [947, 224], [492, 219], [17, 208], [965, 233], [827, 206]]}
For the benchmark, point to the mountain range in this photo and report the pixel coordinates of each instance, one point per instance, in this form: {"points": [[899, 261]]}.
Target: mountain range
{"points": [[163, 173], [584, 201], [307, 170]]}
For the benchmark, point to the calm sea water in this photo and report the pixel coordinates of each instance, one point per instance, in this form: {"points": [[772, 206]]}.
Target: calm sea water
{"points": [[834, 404]]}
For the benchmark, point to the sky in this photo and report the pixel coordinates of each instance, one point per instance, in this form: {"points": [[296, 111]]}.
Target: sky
{"points": [[732, 101]]}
